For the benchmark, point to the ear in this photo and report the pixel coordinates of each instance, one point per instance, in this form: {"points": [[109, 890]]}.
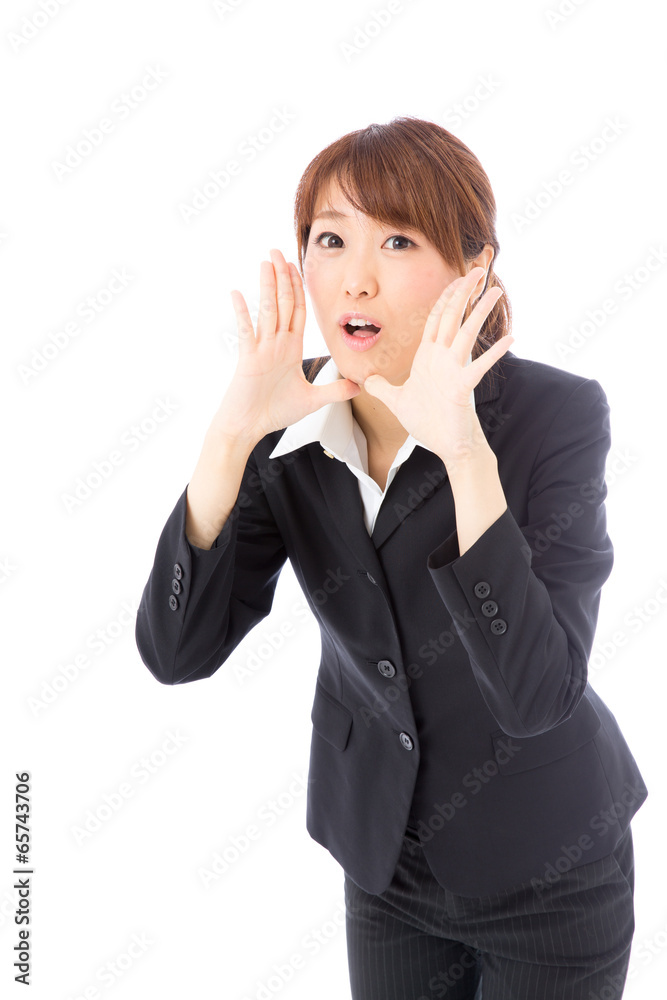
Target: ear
{"points": [[483, 259]]}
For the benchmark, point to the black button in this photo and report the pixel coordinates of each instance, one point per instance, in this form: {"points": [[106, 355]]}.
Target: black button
{"points": [[386, 668], [406, 741], [176, 587], [482, 589], [173, 603], [498, 626], [371, 578], [489, 608], [178, 571]]}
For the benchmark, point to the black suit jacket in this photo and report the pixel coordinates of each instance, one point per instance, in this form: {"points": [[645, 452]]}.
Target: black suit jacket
{"points": [[452, 690]]}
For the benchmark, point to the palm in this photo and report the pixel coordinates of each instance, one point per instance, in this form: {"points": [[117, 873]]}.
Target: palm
{"points": [[434, 403], [269, 390]]}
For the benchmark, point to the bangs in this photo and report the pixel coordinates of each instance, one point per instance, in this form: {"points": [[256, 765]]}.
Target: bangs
{"points": [[376, 188]]}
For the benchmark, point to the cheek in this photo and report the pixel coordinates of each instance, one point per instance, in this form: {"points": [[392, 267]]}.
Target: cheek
{"points": [[413, 324], [314, 275], [320, 302], [420, 294], [415, 313]]}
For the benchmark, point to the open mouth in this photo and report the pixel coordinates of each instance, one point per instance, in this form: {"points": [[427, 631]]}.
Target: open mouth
{"points": [[367, 330]]}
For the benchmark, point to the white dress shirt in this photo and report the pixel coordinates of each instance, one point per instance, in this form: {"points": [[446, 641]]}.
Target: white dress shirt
{"points": [[341, 437]]}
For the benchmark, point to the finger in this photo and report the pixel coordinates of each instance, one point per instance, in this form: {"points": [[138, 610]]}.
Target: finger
{"points": [[376, 385], [299, 311], [457, 287], [244, 325], [477, 368], [455, 306], [268, 309], [338, 391], [433, 321], [463, 339], [285, 294]]}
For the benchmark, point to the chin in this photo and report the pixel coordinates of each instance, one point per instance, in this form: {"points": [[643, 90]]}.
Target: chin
{"points": [[356, 369]]}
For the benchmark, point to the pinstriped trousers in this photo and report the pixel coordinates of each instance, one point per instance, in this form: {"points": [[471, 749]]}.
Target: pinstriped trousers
{"points": [[567, 941]]}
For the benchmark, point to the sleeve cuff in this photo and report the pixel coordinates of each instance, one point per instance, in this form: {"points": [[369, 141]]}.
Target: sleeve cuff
{"points": [[496, 535], [220, 542]]}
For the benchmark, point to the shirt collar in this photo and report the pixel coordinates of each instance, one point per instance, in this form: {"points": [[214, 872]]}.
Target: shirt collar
{"points": [[333, 426]]}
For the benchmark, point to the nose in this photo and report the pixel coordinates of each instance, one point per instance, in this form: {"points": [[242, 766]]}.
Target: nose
{"points": [[360, 275]]}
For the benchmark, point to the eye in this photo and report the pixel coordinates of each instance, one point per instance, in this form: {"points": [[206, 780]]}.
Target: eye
{"points": [[326, 236], [323, 238], [405, 240]]}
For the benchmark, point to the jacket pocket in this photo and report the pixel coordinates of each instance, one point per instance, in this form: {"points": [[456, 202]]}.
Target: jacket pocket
{"points": [[514, 755], [330, 718]]}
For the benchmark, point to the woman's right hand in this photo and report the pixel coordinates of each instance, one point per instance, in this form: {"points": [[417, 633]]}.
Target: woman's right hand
{"points": [[269, 389]]}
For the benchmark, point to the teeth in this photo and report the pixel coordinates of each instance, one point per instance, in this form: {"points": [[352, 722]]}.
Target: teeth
{"points": [[360, 322]]}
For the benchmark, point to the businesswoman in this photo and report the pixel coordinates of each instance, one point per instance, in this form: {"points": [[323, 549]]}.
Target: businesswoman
{"points": [[441, 501]]}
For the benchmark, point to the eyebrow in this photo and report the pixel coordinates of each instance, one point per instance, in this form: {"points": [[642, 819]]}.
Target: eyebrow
{"points": [[339, 216], [330, 215]]}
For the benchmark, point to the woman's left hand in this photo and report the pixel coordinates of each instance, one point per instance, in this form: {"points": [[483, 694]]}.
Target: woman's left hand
{"points": [[434, 403]]}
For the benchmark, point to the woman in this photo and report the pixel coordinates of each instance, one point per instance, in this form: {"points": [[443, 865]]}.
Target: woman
{"points": [[442, 504]]}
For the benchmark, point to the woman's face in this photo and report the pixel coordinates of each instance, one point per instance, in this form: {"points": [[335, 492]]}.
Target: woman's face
{"points": [[393, 276]]}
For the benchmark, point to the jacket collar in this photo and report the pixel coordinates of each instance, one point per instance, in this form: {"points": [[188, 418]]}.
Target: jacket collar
{"points": [[421, 477]]}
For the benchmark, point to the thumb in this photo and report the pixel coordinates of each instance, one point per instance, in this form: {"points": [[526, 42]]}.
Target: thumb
{"points": [[339, 391], [377, 385]]}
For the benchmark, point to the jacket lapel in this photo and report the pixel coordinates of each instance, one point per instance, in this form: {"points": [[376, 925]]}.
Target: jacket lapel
{"points": [[423, 474], [419, 478], [340, 489]]}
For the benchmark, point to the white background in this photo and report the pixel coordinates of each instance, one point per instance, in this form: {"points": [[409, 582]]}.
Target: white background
{"points": [[534, 89]]}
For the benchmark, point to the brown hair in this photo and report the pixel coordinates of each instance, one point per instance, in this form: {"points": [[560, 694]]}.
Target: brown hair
{"points": [[416, 174]]}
